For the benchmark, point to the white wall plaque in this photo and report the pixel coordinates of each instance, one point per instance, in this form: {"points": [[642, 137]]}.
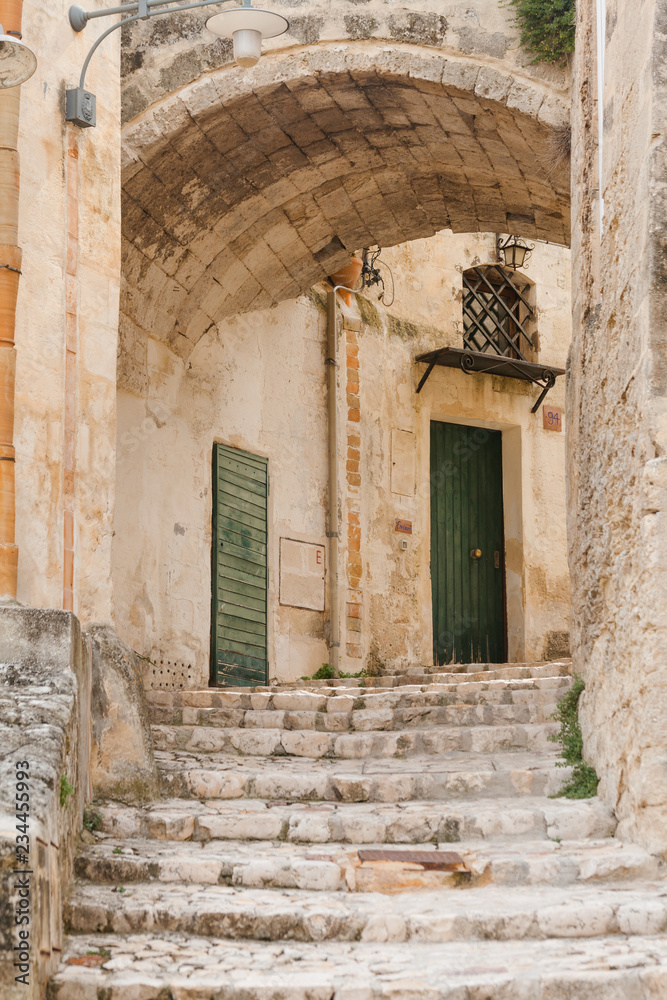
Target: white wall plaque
{"points": [[302, 574]]}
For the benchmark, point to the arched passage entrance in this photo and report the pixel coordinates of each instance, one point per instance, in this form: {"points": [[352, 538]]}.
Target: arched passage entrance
{"points": [[242, 191]]}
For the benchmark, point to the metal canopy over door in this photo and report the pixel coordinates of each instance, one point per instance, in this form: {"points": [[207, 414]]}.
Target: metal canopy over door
{"points": [[240, 570], [467, 549]]}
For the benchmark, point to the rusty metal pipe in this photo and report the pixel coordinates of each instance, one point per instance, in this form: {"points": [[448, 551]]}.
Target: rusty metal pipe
{"points": [[10, 271], [332, 433]]}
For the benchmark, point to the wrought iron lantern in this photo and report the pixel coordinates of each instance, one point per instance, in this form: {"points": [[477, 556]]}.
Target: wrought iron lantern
{"points": [[513, 252]]}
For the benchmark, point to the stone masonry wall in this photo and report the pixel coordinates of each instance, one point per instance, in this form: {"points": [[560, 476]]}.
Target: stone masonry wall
{"points": [[45, 721], [617, 399], [67, 321], [162, 55]]}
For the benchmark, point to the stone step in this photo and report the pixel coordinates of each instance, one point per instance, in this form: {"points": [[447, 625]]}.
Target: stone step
{"points": [[366, 688], [470, 668], [437, 704], [337, 867], [155, 967], [430, 675], [345, 746], [380, 720], [448, 776], [489, 913], [352, 823]]}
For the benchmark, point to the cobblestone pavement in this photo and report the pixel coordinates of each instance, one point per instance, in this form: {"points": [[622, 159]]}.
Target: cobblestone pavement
{"points": [[246, 882]]}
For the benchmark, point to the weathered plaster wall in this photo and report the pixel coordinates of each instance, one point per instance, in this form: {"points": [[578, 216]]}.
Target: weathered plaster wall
{"points": [[258, 382], [427, 314], [67, 322], [617, 399]]}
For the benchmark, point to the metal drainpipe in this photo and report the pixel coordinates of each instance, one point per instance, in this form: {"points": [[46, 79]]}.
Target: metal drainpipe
{"points": [[333, 533], [10, 271]]}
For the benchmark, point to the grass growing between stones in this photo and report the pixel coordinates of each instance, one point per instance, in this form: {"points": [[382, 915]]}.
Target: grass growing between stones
{"points": [[547, 27], [66, 790], [583, 783], [92, 820], [326, 672]]}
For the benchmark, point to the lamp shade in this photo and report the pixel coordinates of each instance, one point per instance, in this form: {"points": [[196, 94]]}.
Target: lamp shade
{"points": [[247, 46], [17, 61], [227, 22]]}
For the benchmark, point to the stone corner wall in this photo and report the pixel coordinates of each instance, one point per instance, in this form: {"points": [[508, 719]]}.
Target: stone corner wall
{"points": [[44, 721], [122, 761], [617, 401], [64, 693]]}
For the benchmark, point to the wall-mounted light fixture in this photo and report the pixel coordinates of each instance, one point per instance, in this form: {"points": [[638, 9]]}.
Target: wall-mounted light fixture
{"points": [[513, 252], [245, 25], [17, 61]]}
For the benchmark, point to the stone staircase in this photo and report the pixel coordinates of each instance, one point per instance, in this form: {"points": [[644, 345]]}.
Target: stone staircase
{"points": [[260, 874]]}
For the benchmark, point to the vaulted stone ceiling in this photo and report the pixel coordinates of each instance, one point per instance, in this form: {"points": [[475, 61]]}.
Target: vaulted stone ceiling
{"points": [[242, 190]]}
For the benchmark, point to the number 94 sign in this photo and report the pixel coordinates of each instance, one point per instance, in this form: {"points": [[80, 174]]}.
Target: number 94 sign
{"points": [[552, 417]]}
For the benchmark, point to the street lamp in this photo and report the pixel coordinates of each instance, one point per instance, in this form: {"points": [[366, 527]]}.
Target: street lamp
{"points": [[246, 25], [17, 61], [513, 252]]}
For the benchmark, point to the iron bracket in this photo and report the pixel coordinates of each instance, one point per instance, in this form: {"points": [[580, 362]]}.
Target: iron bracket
{"points": [[422, 381], [550, 382]]}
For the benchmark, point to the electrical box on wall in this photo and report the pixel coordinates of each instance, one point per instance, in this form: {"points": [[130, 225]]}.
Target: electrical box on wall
{"points": [[81, 108]]}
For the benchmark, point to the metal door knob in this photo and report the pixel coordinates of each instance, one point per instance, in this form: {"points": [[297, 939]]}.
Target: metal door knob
{"points": [[475, 553]]}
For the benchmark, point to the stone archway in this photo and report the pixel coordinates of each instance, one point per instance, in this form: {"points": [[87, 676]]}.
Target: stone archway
{"points": [[244, 189]]}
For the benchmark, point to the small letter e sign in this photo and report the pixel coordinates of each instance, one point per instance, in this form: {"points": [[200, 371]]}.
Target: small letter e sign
{"points": [[552, 418]]}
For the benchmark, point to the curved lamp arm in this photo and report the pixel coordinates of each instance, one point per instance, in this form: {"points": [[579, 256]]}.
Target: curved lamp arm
{"points": [[81, 104]]}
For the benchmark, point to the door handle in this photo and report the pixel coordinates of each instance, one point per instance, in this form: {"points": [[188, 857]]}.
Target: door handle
{"points": [[496, 560], [475, 553]]}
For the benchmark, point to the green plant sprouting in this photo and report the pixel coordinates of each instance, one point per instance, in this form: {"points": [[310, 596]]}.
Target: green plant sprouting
{"points": [[583, 782], [92, 820], [326, 672], [65, 790], [547, 27]]}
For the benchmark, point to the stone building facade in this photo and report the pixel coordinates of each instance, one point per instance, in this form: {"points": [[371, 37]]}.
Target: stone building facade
{"points": [[240, 191], [181, 238], [616, 401], [257, 382]]}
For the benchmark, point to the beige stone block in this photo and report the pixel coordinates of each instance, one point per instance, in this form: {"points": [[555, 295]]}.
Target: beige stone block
{"points": [[306, 744], [492, 84]]}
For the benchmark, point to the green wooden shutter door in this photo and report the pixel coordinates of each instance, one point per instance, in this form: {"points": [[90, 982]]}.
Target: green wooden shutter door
{"points": [[466, 514], [240, 568]]}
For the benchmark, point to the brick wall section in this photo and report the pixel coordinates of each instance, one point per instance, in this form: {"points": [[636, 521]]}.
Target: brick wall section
{"points": [[234, 202], [354, 567]]}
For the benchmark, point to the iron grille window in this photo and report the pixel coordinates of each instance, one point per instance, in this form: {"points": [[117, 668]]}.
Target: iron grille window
{"points": [[497, 314]]}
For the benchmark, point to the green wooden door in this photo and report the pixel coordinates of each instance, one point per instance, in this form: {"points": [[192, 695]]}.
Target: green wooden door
{"points": [[238, 644], [467, 518]]}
